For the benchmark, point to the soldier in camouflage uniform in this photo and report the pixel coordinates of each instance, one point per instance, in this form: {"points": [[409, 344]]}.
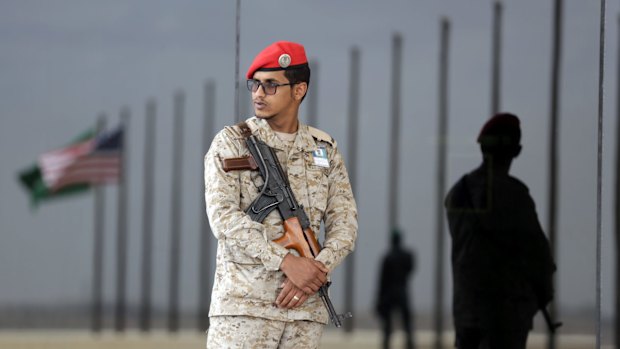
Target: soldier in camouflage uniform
{"points": [[265, 296]]}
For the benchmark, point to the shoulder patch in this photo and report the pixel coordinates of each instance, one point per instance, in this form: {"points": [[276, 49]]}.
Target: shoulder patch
{"points": [[234, 131], [321, 136]]}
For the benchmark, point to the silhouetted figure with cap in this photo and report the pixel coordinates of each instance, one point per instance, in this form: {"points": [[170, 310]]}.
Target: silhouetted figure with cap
{"points": [[501, 261], [398, 264]]}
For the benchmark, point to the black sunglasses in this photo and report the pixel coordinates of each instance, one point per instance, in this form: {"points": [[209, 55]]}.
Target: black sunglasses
{"points": [[269, 87]]}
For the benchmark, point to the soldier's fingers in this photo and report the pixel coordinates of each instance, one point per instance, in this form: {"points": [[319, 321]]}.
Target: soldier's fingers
{"points": [[321, 266], [318, 282], [314, 287], [286, 289], [302, 299], [295, 300], [309, 289], [286, 298], [290, 300], [322, 278]]}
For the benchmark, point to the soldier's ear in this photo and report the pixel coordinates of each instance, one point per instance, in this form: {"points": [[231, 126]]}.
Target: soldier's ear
{"points": [[517, 150], [299, 90]]}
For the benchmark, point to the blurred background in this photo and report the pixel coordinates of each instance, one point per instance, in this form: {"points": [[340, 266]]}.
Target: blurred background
{"points": [[65, 63]]}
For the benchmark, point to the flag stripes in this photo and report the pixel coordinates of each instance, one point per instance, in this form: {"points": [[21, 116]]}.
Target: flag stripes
{"points": [[93, 168], [94, 161], [54, 164]]}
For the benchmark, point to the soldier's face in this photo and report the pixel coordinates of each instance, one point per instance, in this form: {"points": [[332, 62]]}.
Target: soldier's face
{"points": [[282, 102]]}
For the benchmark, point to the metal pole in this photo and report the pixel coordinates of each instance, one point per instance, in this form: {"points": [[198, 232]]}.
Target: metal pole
{"points": [[313, 95], [599, 171], [617, 200], [442, 137], [496, 58], [175, 212], [205, 231], [553, 145], [245, 106], [237, 50], [353, 129], [147, 214], [121, 238], [397, 43], [98, 245]]}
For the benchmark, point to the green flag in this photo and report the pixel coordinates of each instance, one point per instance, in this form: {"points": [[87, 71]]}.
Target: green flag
{"points": [[32, 179]]}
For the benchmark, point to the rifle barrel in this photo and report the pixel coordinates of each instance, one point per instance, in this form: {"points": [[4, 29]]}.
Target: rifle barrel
{"points": [[553, 326]]}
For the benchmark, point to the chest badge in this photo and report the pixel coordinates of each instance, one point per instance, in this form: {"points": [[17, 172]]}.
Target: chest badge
{"points": [[320, 157]]}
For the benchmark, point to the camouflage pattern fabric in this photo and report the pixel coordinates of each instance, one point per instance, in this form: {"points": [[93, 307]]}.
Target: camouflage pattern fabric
{"points": [[247, 276], [228, 332]]}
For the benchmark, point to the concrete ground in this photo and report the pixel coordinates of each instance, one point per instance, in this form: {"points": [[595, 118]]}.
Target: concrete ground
{"points": [[332, 339]]}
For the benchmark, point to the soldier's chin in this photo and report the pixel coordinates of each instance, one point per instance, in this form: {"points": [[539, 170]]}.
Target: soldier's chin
{"points": [[264, 116]]}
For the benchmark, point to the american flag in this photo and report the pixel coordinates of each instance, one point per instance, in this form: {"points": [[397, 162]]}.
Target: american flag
{"points": [[96, 160]]}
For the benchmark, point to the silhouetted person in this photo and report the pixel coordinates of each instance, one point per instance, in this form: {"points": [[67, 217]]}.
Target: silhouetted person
{"points": [[397, 266], [501, 261]]}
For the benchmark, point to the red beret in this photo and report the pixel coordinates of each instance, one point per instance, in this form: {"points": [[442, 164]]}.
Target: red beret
{"points": [[501, 129], [280, 55]]}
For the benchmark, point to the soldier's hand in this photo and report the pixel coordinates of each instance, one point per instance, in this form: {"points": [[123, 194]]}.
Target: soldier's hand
{"points": [[290, 296], [305, 273]]}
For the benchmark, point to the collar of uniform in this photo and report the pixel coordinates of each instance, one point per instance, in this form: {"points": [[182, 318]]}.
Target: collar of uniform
{"points": [[303, 141]]}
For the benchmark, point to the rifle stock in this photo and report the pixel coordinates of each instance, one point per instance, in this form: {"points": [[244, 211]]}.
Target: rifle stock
{"points": [[298, 239]]}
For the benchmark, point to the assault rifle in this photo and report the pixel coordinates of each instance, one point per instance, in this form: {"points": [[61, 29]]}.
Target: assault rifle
{"points": [[553, 326], [276, 193]]}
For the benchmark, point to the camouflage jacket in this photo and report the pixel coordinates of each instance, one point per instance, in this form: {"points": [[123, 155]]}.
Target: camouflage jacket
{"points": [[247, 276]]}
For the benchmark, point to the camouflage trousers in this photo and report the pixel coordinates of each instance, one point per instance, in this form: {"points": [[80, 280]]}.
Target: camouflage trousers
{"points": [[250, 332]]}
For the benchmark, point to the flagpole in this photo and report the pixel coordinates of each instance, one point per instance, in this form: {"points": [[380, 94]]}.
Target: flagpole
{"points": [[147, 214], [98, 245], [121, 237], [599, 169], [496, 58], [237, 50], [553, 145], [442, 138], [312, 99], [616, 328], [175, 212], [349, 264], [205, 232], [245, 109], [394, 133]]}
